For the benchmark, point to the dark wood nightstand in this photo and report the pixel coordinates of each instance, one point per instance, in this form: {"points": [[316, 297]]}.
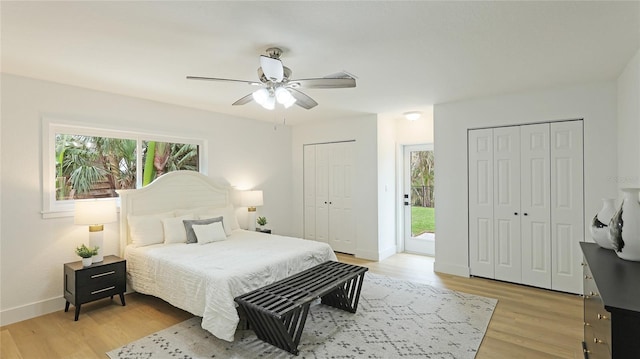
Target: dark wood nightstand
{"points": [[263, 230], [99, 280]]}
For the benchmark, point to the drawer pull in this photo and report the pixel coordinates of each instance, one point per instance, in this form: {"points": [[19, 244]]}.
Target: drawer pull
{"points": [[103, 274], [103, 290], [588, 277], [598, 341], [600, 316], [593, 294]]}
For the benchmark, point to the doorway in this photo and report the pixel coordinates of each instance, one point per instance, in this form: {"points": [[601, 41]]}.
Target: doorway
{"points": [[418, 199]]}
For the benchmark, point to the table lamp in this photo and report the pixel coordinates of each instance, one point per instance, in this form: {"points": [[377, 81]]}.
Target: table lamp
{"points": [[252, 199], [95, 213]]}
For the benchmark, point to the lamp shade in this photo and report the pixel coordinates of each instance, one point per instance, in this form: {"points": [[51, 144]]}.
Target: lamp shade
{"points": [[251, 199], [95, 212]]}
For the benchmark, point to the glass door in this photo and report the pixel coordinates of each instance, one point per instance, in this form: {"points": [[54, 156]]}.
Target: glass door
{"points": [[418, 199]]}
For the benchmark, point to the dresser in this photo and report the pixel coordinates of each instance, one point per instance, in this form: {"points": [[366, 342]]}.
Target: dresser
{"points": [[611, 305], [97, 281]]}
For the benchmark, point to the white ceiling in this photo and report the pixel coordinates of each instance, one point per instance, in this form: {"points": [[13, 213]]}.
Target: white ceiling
{"points": [[406, 55]]}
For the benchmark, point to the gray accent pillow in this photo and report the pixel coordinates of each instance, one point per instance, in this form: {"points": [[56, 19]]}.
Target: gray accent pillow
{"points": [[188, 226]]}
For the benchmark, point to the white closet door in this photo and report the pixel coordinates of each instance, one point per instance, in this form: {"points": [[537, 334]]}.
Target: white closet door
{"points": [[535, 207], [506, 204], [480, 145], [567, 228], [342, 234], [309, 192], [322, 193]]}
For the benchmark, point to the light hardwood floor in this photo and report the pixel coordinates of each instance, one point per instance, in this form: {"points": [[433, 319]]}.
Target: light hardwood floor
{"points": [[527, 322]]}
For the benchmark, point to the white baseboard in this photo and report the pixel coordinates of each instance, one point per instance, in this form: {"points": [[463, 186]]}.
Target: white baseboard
{"points": [[449, 268], [387, 252], [376, 256], [369, 255], [31, 310]]}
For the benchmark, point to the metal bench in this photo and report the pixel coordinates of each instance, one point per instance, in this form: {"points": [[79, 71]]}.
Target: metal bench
{"points": [[277, 312]]}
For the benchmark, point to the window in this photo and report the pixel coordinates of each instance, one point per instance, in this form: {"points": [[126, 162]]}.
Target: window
{"points": [[82, 163]]}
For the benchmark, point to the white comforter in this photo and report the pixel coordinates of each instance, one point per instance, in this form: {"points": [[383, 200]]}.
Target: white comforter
{"points": [[204, 279]]}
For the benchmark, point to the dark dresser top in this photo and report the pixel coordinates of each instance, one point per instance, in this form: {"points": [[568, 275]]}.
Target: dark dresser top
{"points": [[107, 260], [618, 280]]}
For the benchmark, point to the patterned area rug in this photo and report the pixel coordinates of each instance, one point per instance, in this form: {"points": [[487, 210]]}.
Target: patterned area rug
{"points": [[394, 319]]}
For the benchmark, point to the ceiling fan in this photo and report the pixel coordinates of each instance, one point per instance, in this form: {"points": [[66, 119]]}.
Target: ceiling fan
{"points": [[277, 85]]}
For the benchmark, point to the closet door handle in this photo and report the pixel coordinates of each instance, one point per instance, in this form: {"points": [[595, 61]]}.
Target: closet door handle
{"points": [[515, 213], [526, 214]]}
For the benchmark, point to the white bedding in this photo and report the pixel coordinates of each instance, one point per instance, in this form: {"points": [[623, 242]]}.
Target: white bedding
{"points": [[204, 279]]}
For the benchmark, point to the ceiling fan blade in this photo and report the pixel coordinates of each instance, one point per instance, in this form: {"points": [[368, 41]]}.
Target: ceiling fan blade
{"points": [[302, 99], [253, 83], [272, 68], [324, 83], [244, 100]]}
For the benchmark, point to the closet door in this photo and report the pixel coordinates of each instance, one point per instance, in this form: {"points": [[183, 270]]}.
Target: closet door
{"points": [[567, 206], [480, 147], [506, 204], [535, 207], [342, 233], [309, 164], [322, 193]]}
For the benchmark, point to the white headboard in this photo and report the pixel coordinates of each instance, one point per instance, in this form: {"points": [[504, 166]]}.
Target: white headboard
{"points": [[174, 190]]}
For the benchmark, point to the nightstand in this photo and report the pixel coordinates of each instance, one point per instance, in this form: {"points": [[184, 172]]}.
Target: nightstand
{"points": [[268, 231], [97, 281]]}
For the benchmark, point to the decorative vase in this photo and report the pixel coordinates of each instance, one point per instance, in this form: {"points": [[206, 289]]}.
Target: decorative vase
{"points": [[624, 229], [87, 261], [599, 224]]}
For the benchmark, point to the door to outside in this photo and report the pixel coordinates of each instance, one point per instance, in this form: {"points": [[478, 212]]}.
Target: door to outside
{"points": [[418, 199]]}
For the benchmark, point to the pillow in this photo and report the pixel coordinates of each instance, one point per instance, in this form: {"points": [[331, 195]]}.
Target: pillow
{"points": [[229, 220], [207, 233], [188, 226], [174, 231], [147, 230]]}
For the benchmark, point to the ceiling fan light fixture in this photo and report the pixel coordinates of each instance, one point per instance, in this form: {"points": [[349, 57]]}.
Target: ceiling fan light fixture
{"points": [[260, 96], [289, 103], [412, 115], [269, 103], [284, 97]]}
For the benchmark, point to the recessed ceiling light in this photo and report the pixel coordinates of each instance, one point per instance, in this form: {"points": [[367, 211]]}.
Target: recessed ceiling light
{"points": [[412, 115]]}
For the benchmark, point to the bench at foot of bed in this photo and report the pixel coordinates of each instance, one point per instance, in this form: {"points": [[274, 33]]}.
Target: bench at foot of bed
{"points": [[277, 312]]}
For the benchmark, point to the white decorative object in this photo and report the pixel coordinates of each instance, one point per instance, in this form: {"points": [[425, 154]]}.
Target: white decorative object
{"points": [[87, 261], [600, 223], [95, 213], [625, 226]]}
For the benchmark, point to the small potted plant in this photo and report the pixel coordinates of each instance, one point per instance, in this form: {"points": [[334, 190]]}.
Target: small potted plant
{"points": [[86, 253], [262, 221]]}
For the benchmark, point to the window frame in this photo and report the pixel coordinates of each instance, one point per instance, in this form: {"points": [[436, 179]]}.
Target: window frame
{"points": [[53, 208]]}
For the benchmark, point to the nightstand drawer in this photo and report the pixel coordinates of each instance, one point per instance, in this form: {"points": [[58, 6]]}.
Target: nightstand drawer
{"points": [[106, 274], [90, 294]]}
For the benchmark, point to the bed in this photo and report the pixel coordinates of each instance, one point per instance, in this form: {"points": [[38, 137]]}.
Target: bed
{"points": [[203, 278]]}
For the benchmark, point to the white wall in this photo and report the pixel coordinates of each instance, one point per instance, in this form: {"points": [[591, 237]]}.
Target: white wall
{"points": [[247, 153], [364, 131], [387, 197], [595, 103], [629, 125], [415, 132]]}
